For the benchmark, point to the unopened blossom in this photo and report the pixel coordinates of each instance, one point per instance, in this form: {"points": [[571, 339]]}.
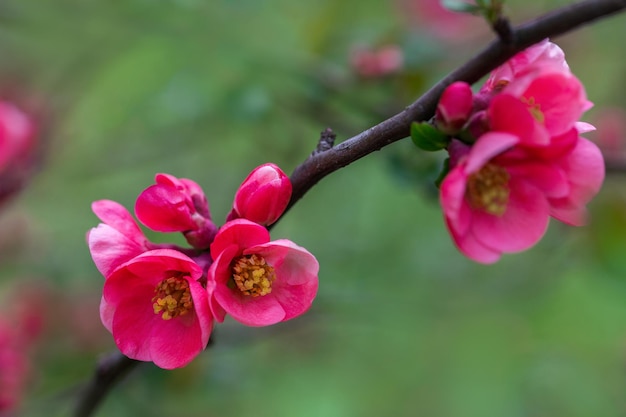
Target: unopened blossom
{"points": [[454, 107], [156, 309], [177, 205], [117, 239], [257, 281], [263, 195]]}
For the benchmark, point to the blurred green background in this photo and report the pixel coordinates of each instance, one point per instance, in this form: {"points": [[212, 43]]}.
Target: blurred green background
{"points": [[403, 324]]}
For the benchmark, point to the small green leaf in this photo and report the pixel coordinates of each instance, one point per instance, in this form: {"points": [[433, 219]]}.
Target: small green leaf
{"points": [[444, 171], [426, 137], [462, 6]]}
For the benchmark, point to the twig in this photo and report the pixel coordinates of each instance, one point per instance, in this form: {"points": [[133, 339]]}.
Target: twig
{"points": [[555, 23], [328, 159], [109, 371]]}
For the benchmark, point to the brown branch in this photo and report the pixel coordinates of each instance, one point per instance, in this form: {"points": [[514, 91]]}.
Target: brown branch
{"points": [[109, 371], [329, 159], [555, 23]]}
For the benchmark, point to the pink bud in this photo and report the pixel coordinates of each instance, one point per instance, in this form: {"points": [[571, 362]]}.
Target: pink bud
{"points": [[263, 196], [454, 108]]}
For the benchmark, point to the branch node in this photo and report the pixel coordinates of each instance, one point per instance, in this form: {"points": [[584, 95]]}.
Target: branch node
{"points": [[502, 27], [326, 142]]}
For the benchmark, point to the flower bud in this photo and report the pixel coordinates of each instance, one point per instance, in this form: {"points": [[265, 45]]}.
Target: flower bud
{"points": [[177, 205], [454, 108], [263, 196]]}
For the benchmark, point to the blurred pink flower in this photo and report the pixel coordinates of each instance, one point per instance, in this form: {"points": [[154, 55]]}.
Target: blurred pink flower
{"points": [[442, 23], [177, 205], [375, 63], [256, 281], [263, 195], [14, 369], [611, 134], [156, 309], [454, 107], [24, 310], [117, 240], [17, 144]]}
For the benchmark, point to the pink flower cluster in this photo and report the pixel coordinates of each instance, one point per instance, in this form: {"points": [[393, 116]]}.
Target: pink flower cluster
{"points": [[160, 301], [516, 155]]}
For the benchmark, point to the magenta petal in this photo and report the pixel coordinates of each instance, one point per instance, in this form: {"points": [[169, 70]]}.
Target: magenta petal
{"points": [[218, 276], [116, 216], [452, 200], [522, 225], [109, 248], [133, 323], [473, 249], [508, 114], [251, 311], [563, 211], [295, 299], [240, 232], [164, 209], [486, 147], [106, 314], [293, 264], [584, 167], [174, 343], [561, 98], [548, 178]]}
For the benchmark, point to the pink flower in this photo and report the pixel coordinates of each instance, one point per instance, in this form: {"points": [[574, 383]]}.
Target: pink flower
{"points": [[156, 309], [377, 63], [16, 134], [14, 369], [497, 197], [256, 281], [454, 108], [541, 55], [177, 205], [117, 240], [17, 149], [446, 25], [584, 169], [263, 195]]}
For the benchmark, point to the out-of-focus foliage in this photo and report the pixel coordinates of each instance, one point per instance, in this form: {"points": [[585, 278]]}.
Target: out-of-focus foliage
{"points": [[403, 325]]}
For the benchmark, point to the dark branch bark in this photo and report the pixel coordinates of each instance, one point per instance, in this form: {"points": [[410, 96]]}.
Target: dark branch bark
{"points": [[109, 371], [555, 23], [328, 159]]}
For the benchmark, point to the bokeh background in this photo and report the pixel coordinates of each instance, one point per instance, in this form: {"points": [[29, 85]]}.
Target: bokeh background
{"points": [[403, 325]]}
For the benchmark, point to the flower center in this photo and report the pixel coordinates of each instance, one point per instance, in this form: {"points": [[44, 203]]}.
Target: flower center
{"points": [[172, 298], [534, 109], [488, 189], [252, 275]]}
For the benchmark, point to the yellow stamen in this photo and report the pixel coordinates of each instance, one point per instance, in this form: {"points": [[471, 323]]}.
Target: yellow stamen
{"points": [[252, 275], [172, 298], [488, 189], [534, 108]]}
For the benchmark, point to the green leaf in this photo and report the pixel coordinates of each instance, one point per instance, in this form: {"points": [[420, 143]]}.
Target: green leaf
{"points": [[426, 137], [462, 6]]}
